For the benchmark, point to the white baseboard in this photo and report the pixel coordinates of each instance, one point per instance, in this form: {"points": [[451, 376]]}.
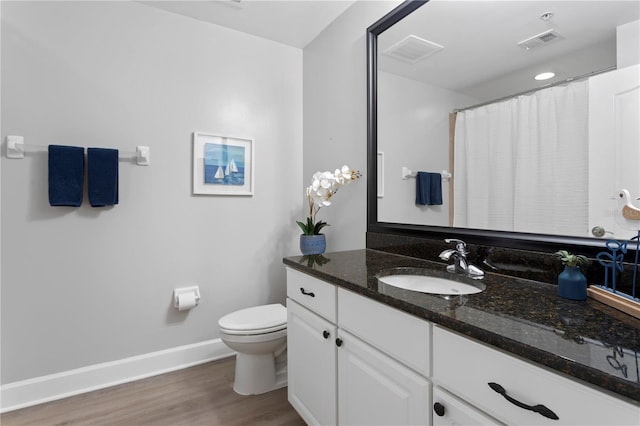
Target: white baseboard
{"points": [[73, 382]]}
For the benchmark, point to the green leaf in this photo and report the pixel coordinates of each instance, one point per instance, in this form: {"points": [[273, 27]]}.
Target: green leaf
{"points": [[311, 228], [571, 259], [318, 227], [305, 229]]}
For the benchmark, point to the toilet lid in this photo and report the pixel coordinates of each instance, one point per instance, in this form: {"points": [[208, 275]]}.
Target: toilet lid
{"points": [[265, 318]]}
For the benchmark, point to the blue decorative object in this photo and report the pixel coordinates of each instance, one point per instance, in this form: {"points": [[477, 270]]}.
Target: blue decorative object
{"points": [[635, 266], [612, 262], [572, 284], [312, 244]]}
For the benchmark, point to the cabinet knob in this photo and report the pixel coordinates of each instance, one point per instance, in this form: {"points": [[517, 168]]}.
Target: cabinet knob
{"points": [[307, 293], [326, 334], [439, 409], [338, 342]]}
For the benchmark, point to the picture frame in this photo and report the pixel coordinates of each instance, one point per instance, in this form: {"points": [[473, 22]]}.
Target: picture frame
{"points": [[222, 165]]}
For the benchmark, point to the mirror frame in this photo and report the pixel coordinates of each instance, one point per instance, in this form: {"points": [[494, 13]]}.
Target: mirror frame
{"points": [[517, 240]]}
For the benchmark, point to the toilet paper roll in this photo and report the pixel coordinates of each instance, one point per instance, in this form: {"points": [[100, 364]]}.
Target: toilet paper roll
{"points": [[186, 301]]}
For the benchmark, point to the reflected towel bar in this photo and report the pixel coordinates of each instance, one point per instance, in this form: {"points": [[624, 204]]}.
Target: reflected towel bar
{"points": [[407, 173]]}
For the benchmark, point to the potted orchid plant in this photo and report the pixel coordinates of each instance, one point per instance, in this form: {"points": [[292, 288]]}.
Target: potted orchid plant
{"points": [[323, 187]]}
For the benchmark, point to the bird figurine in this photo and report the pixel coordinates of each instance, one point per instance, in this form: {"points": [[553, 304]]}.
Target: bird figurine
{"points": [[629, 211]]}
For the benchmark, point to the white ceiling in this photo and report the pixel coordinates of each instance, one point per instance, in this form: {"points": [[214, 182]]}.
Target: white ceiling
{"points": [[481, 56], [292, 22]]}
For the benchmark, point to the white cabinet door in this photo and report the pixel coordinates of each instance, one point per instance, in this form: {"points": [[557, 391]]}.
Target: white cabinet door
{"points": [[450, 411], [311, 365], [374, 389]]}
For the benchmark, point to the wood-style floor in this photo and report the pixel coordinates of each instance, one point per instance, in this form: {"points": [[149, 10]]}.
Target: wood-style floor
{"points": [[200, 395]]}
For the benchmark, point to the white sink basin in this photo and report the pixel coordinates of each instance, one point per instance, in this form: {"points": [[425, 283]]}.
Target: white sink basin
{"points": [[415, 281]]}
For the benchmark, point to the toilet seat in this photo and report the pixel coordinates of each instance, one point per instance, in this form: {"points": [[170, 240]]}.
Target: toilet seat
{"points": [[256, 320]]}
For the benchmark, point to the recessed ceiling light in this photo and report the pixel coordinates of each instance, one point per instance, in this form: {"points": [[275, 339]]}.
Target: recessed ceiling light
{"points": [[545, 76]]}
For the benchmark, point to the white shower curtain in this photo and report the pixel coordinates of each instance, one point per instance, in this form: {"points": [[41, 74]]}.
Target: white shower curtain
{"points": [[522, 164]]}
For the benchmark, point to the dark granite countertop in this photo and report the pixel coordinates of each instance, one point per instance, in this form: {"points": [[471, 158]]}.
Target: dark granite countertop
{"points": [[586, 340]]}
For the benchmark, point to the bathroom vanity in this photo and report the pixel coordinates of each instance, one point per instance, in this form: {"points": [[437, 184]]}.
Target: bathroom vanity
{"points": [[363, 352]]}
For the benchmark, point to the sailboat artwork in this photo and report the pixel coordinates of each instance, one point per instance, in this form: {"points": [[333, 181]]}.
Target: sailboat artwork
{"points": [[219, 174], [223, 164], [231, 168]]}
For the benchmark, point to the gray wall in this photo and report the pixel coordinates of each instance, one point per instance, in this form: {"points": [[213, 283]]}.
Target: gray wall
{"points": [[413, 132], [82, 286], [85, 286], [335, 118]]}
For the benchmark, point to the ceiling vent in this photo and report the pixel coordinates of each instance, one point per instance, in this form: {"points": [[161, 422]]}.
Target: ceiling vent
{"points": [[413, 49], [541, 39]]}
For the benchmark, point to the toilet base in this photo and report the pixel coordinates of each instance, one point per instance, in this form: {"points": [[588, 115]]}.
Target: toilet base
{"points": [[257, 374]]}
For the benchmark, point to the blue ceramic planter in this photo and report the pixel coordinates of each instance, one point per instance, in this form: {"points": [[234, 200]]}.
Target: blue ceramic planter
{"points": [[572, 284], [312, 244]]}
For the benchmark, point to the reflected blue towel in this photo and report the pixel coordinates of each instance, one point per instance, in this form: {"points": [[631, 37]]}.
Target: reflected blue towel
{"points": [[102, 170], [66, 175], [428, 189]]}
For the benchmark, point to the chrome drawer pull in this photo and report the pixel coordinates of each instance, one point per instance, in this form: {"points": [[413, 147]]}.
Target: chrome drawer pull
{"points": [[307, 293], [540, 409]]}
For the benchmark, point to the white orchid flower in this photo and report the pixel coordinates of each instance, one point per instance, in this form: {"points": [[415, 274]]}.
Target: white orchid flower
{"points": [[323, 186], [344, 175]]}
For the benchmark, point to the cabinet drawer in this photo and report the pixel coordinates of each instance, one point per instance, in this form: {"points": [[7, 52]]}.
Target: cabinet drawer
{"points": [[466, 367], [315, 294], [398, 334]]}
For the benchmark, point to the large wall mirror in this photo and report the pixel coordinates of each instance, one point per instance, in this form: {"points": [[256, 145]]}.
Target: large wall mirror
{"points": [[521, 117]]}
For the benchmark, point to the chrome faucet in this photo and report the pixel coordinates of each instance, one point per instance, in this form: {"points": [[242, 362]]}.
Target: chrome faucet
{"points": [[460, 263]]}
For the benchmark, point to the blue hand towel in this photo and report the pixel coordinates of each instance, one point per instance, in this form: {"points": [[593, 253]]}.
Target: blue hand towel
{"points": [[66, 175], [428, 189], [102, 176]]}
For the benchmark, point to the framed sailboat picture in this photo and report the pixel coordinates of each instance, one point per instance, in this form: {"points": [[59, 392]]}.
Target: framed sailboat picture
{"points": [[222, 165]]}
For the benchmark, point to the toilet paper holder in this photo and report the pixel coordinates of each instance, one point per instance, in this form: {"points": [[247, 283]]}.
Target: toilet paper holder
{"points": [[177, 292]]}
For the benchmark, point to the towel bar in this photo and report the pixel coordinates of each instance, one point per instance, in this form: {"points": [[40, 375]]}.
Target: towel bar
{"points": [[16, 149], [407, 173]]}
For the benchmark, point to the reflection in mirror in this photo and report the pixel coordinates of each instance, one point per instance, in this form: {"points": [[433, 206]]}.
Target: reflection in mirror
{"points": [[526, 156]]}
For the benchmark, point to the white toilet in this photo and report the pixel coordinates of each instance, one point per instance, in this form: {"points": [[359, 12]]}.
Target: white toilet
{"points": [[259, 336]]}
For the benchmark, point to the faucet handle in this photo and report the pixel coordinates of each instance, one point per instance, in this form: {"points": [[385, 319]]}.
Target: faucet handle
{"points": [[461, 246]]}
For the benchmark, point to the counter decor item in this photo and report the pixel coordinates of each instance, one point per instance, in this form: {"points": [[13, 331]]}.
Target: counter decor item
{"points": [[572, 284], [610, 293], [323, 186], [312, 244]]}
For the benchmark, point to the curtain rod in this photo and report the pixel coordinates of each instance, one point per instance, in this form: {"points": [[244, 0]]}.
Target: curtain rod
{"points": [[546, 86]]}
